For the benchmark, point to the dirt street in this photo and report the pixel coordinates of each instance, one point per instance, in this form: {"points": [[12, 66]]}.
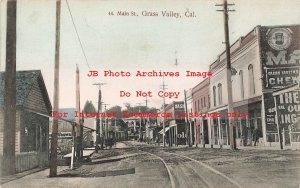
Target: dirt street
{"points": [[134, 164]]}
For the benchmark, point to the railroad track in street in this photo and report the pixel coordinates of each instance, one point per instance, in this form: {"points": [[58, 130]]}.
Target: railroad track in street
{"points": [[171, 178], [184, 171], [209, 168]]}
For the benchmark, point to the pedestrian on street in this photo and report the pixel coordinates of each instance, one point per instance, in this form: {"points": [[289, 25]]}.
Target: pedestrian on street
{"points": [[255, 136]]}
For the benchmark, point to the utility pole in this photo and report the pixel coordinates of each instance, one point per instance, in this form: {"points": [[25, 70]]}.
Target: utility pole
{"points": [[73, 145], [9, 129], [81, 124], [105, 126], [176, 61], [187, 123], [148, 122], [98, 122], [146, 101], [278, 126], [0, 34], [99, 130], [53, 156], [116, 131], [228, 73], [164, 109], [140, 129], [78, 121]]}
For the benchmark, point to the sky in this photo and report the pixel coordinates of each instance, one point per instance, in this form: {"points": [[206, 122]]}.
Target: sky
{"points": [[132, 43]]}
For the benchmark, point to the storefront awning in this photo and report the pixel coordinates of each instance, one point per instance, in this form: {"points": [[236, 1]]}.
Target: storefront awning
{"points": [[167, 128]]}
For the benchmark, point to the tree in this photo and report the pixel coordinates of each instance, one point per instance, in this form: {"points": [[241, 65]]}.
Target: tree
{"points": [[128, 106], [122, 124], [89, 107], [117, 109]]}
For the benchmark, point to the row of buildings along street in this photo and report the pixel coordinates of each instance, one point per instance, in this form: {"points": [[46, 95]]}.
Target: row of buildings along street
{"points": [[265, 63], [265, 67], [202, 140]]}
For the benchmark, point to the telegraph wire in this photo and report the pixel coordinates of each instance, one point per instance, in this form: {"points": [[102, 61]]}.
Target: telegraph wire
{"points": [[77, 34], [78, 37]]}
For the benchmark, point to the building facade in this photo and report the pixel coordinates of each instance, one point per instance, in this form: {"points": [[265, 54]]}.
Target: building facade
{"points": [[175, 126], [32, 120], [263, 61], [280, 62], [287, 108], [201, 103], [246, 91]]}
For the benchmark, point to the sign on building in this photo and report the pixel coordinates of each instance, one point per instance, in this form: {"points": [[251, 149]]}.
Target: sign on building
{"points": [[280, 53], [280, 61], [288, 108]]}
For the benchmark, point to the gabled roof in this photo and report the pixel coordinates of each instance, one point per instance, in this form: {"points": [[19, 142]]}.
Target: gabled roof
{"points": [[24, 82]]}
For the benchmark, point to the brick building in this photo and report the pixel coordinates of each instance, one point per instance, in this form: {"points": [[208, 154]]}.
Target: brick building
{"points": [[263, 61], [201, 103]]}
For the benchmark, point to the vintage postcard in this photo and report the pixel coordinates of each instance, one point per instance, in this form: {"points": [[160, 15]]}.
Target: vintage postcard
{"points": [[148, 93]]}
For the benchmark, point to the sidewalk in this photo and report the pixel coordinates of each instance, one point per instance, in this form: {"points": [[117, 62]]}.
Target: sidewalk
{"points": [[5, 179], [250, 147], [87, 152], [239, 147]]}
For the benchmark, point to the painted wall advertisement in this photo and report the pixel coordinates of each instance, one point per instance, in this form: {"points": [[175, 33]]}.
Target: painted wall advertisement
{"points": [[280, 57], [288, 106], [280, 51]]}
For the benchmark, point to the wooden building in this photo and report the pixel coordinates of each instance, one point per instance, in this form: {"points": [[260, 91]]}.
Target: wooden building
{"points": [[32, 120]]}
